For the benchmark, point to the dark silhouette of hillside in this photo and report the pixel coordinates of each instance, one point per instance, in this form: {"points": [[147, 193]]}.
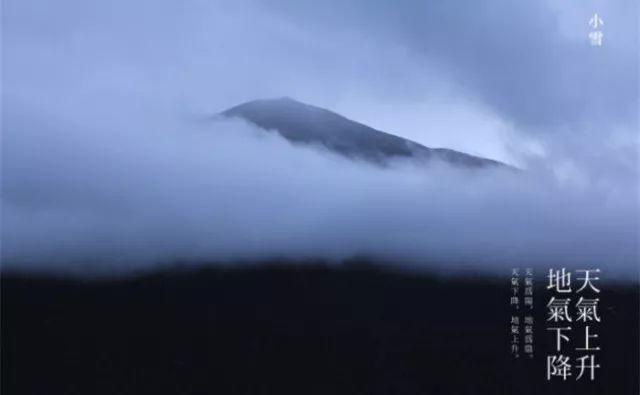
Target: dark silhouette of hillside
{"points": [[302, 123], [289, 330]]}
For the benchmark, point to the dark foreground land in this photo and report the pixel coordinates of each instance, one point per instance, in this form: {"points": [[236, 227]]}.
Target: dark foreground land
{"points": [[291, 330]]}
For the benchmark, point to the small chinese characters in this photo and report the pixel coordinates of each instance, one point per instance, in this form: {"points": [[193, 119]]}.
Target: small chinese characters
{"points": [[521, 304], [528, 317], [570, 312], [514, 303], [596, 35]]}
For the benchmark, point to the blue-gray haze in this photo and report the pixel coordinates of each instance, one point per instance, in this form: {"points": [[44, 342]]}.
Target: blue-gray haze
{"points": [[110, 160]]}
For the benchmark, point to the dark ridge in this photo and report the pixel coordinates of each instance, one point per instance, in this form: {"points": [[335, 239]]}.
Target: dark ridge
{"points": [[291, 330], [302, 123]]}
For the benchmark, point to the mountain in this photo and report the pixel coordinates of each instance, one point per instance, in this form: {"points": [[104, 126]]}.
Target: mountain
{"points": [[302, 123]]}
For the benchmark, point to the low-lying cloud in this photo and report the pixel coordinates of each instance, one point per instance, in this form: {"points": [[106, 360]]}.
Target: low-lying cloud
{"points": [[109, 164], [127, 189]]}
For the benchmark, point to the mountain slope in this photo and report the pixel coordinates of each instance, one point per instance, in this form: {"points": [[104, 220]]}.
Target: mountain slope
{"points": [[306, 124]]}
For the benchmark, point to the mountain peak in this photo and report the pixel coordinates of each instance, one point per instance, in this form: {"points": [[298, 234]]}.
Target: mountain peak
{"points": [[284, 105], [302, 123]]}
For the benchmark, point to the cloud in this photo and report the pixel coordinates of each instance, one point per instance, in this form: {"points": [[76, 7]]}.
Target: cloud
{"points": [[107, 164], [138, 190], [530, 61]]}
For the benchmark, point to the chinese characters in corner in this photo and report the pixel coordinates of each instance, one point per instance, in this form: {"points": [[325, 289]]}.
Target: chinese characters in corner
{"points": [[573, 319]]}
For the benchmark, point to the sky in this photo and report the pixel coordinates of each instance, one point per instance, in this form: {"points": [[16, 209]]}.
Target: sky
{"points": [[103, 104]]}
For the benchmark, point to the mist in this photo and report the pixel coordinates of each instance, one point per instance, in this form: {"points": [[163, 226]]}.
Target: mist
{"points": [[140, 190], [112, 160]]}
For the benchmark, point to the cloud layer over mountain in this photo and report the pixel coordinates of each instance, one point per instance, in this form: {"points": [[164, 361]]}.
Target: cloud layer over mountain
{"points": [[114, 194], [108, 162]]}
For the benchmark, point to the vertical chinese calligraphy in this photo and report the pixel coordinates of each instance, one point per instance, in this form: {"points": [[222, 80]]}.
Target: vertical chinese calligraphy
{"points": [[528, 317], [596, 35], [514, 303], [569, 313], [517, 300]]}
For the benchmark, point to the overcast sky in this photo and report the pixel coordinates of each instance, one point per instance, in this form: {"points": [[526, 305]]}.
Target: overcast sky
{"points": [[440, 72], [514, 81]]}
